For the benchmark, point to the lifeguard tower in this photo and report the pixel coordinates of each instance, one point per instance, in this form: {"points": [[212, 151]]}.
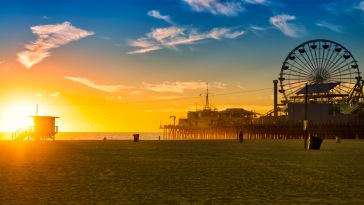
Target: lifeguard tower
{"points": [[44, 128]]}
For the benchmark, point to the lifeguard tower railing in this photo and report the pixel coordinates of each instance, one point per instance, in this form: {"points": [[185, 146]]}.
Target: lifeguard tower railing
{"points": [[31, 133]]}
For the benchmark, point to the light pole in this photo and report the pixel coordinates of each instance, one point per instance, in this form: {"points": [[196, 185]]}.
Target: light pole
{"points": [[305, 120]]}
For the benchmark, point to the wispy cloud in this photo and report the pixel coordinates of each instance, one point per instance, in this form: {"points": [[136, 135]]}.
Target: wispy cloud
{"points": [[257, 28], [288, 29], [180, 87], [262, 2], [329, 26], [92, 84], [49, 37], [218, 85], [55, 95], [145, 50], [163, 35], [344, 7], [156, 14], [361, 6], [241, 86], [175, 35], [216, 7]]}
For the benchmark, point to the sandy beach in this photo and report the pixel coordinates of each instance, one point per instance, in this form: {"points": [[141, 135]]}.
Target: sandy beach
{"points": [[181, 172]]}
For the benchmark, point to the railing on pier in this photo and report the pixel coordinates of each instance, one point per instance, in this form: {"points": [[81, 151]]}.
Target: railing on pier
{"points": [[266, 131]]}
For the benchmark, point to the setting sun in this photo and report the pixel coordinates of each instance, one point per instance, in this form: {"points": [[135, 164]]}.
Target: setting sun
{"points": [[16, 116]]}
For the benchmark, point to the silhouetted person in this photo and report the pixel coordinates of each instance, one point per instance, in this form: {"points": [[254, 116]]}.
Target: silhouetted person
{"points": [[136, 137], [241, 136]]}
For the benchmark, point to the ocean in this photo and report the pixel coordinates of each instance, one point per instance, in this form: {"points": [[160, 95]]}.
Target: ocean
{"points": [[97, 135]]}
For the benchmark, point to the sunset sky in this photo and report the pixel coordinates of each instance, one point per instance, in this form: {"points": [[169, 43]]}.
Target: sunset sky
{"points": [[128, 65]]}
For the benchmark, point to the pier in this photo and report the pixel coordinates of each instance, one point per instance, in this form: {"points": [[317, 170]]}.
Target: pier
{"points": [[265, 132], [325, 94]]}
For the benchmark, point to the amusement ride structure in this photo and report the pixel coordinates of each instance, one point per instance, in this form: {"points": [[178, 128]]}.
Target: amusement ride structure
{"points": [[330, 71]]}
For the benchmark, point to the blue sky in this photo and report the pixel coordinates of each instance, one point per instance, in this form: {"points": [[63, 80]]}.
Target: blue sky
{"points": [[168, 48], [126, 20], [123, 21]]}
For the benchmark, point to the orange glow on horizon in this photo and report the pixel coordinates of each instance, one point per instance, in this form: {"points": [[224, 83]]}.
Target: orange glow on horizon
{"points": [[84, 108]]}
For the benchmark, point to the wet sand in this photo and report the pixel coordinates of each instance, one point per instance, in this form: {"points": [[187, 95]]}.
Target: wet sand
{"points": [[181, 172]]}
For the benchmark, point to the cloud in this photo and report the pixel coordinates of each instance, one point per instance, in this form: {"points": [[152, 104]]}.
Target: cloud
{"points": [[162, 35], [180, 87], [55, 95], [145, 50], [257, 28], [344, 7], [240, 86], [329, 26], [280, 22], [92, 84], [262, 2], [175, 35], [361, 6], [219, 85], [216, 7], [156, 14], [218, 33], [49, 37]]}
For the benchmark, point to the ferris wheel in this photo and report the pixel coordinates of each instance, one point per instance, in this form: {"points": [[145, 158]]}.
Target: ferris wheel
{"points": [[328, 68]]}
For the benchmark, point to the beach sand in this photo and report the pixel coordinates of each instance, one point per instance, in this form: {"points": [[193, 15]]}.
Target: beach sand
{"points": [[181, 172]]}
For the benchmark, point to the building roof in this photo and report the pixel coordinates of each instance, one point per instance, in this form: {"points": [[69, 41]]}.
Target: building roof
{"points": [[318, 88]]}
